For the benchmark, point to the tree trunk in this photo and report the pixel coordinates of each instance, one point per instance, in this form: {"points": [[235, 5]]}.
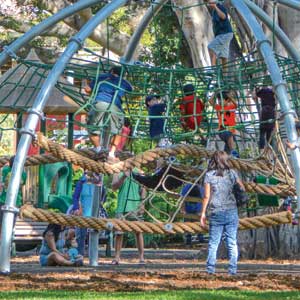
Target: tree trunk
{"points": [[197, 29]]}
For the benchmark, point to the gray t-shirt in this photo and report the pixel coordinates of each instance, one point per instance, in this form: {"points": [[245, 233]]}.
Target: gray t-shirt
{"points": [[221, 196]]}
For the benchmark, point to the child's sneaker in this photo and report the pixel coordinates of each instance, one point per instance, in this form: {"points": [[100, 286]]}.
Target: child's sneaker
{"points": [[112, 160], [78, 262]]}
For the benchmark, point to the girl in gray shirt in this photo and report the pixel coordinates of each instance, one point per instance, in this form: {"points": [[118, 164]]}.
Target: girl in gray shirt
{"points": [[219, 204]]}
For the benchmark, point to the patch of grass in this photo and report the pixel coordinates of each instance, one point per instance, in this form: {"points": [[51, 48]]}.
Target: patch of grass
{"points": [[157, 295]]}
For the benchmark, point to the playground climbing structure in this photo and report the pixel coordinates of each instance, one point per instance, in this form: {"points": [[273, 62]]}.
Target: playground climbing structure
{"points": [[241, 76]]}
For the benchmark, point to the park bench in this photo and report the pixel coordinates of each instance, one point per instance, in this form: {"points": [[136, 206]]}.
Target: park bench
{"points": [[28, 234], [105, 239]]}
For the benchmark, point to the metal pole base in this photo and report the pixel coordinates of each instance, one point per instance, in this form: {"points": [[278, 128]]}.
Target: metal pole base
{"points": [[5, 273], [94, 248], [296, 216]]}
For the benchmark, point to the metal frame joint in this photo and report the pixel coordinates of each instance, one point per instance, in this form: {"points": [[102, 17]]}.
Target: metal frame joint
{"points": [[28, 131], [37, 112], [260, 42], [78, 41], [10, 53], [7, 208]]}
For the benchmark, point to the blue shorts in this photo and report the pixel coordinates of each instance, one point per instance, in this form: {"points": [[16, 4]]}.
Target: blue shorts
{"points": [[44, 260], [225, 135], [220, 44]]}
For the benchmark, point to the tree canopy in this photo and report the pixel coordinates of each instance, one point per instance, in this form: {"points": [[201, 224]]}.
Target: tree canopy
{"points": [[182, 39]]}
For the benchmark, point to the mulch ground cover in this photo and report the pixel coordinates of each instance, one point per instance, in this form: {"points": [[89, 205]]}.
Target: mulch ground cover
{"points": [[156, 274]]}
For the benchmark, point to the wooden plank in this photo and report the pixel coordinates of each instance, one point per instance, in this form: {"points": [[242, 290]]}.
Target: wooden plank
{"points": [[31, 223], [190, 216], [29, 232], [187, 198], [30, 228], [28, 238]]}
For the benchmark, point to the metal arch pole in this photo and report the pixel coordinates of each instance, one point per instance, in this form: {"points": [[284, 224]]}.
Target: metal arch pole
{"points": [[279, 85], [280, 34], [290, 3], [32, 121], [44, 25], [135, 38]]}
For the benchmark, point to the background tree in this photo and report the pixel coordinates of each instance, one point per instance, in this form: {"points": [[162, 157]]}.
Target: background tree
{"points": [[16, 17]]}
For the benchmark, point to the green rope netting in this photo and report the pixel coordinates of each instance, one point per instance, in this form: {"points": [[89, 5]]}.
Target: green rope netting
{"points": [[240, 77]]}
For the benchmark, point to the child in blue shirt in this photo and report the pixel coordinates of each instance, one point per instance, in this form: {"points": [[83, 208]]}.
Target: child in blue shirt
{"points": [[83, 201], [193, 208], [156, 108], [107, 107], [72, 251]]}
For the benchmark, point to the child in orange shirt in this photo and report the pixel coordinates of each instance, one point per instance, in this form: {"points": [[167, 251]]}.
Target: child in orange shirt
{"points": [[226, 116]]}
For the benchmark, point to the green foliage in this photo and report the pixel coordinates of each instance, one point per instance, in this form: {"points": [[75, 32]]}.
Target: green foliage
{"points": [[111, 202], [120, 18], [163, 41], [153, 295], [167, 45], [77, 174], [7, 142]]}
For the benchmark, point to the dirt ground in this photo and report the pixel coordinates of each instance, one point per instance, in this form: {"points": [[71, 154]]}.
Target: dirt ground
{"points": [[164, 270]]}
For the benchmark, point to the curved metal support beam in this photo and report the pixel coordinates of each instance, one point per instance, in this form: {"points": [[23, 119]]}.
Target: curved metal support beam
{"points": [[290, 3], [40, 28], [279, 85], [135, 38], [279, 33], [29, 129]]}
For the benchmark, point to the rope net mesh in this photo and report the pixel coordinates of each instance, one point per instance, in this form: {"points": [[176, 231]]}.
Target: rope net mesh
{"points": [[239, 77]]}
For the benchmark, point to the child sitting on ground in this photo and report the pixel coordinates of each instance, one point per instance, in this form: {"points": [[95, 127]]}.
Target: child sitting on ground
{"points": [[72, 251], [156, 108]]}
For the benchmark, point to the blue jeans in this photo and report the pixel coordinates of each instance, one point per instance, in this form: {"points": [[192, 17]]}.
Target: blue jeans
{"points": [[81, 234], [226, 222]]}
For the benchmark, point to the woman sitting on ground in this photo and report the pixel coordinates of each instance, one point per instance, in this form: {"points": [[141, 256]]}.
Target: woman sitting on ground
{"points": [[51, 253]]}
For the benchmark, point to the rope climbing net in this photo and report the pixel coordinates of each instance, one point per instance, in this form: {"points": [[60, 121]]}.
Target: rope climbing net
{"points": [[240, 77]]}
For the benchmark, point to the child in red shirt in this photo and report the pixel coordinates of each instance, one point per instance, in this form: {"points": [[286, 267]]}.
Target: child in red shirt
{"points": [[191, 108], [226, 116]]}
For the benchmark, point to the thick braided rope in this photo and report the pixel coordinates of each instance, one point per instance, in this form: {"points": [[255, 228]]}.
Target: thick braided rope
{"points": [[27, 211], [282, 190], [251, 187], [75, 158], [145, 158], [36, 160]]}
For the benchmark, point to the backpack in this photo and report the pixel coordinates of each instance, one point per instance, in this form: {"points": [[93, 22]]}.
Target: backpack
{"points": [[241, 197]]}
